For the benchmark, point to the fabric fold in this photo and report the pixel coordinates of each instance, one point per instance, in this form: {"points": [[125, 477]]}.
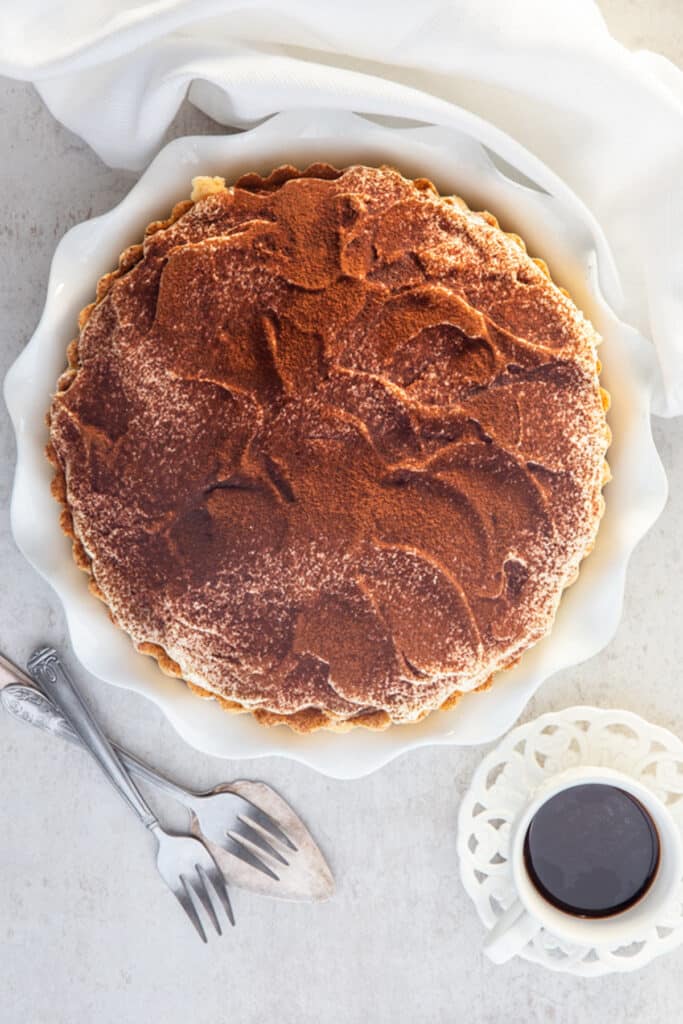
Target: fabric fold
{"points": [[607, 122]]}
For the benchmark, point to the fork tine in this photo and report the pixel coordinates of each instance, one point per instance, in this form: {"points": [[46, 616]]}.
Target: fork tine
{"points": [[182, 894], [269, 825], [244, 853], [201, 891], [221, 890], [244, 846], [255, 826], [246, 831]]}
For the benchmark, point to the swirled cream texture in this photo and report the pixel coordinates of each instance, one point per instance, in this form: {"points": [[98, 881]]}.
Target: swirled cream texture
{"points": [[333, 442]]}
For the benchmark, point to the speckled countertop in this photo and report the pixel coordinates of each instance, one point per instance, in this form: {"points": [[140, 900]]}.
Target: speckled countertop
{"points": [[87, 932]]}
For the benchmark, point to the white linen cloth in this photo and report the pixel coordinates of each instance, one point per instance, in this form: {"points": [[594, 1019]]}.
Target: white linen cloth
{"points": [[607, 121]]}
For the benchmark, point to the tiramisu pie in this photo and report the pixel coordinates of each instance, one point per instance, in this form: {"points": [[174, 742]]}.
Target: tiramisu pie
{"points": [[330, 446]]}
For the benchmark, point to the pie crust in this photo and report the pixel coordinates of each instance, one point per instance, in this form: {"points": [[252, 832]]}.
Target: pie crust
{"points": [[330, 446]]}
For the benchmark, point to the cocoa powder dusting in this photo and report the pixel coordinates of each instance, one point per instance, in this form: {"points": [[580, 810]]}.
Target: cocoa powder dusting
{"points": [[335, 443]]}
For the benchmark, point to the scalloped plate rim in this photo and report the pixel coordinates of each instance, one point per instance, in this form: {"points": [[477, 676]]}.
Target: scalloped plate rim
{"points": [[357, 753]]}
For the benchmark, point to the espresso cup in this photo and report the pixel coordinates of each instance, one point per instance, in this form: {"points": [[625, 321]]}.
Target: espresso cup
{"points": [[532, 911]]}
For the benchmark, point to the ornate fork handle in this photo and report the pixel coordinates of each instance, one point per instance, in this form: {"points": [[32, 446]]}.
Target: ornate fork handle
{"points": [[32, 706], [50, 674]]}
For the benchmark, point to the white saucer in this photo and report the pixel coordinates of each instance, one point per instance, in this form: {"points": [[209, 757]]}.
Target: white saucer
{"points": [[502, 786]]}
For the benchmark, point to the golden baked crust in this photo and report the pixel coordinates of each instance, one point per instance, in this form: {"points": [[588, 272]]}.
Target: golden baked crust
{"points": [[470, 369]]}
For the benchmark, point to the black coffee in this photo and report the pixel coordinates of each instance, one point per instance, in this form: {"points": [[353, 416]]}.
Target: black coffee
{"points": [[592, 850]]}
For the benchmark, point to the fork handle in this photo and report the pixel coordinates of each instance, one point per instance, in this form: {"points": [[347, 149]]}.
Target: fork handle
{"points": [[50, 674], [29, 704]]}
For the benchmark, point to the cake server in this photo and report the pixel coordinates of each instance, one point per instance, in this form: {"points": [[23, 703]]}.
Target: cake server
{"points": [[238, 822]]}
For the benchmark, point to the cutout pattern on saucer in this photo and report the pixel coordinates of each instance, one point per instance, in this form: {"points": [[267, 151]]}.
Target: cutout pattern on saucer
{"points": [[502, 786]]}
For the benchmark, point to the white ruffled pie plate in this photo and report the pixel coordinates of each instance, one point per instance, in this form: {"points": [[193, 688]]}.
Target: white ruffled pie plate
{"points": [[490, 171]]}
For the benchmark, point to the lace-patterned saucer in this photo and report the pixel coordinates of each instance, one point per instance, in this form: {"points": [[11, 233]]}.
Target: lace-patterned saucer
{"points": [[503, 785]]}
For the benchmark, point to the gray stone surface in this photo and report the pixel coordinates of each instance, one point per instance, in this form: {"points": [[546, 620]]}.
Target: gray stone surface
{"points": [[88, 933]]}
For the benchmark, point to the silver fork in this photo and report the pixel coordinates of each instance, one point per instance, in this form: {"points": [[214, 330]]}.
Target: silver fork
{"points": [[224, 817], [184, 862], [251, 833]]}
